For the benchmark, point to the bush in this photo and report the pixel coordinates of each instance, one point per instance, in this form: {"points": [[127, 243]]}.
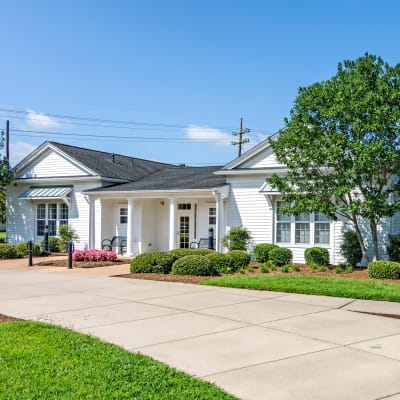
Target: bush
{"points": [[264, 269], [55, 244], [222, 263], [193, 265], [285, 269], [178, 253], [67, 234], [94, 255], [393, 247], [281, 256], [317, 255], [384, 270], [261, 251], [158, 262], [237, 239], [202, 252], [240, 258], [10, 251], [351, 249]]}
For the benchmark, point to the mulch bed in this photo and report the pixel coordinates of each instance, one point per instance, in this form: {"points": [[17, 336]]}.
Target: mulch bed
{"points": [[165, 277], [80, 264]]}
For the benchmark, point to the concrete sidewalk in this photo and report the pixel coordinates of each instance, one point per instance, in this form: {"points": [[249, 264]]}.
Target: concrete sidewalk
{"points": [[256, 345]]}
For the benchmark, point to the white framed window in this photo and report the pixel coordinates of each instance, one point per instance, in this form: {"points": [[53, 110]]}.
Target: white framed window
{"points": [[123, 215], [306, 229], [212, 216], [51, 214], [184, 206]]}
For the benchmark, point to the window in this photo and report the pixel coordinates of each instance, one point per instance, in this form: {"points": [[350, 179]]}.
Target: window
{"points": [[212, 216], [123, 215], [52, 215], [283, 229], [321, 229], [184, 206], [301, 229]]}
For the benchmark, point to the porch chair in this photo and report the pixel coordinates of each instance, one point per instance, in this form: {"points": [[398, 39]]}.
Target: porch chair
{"points": [[201, 244], [118, 242]]}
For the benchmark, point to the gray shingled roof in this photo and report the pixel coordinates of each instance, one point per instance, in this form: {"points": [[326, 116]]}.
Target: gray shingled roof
{"points": [[173, 179], [123, 167]]}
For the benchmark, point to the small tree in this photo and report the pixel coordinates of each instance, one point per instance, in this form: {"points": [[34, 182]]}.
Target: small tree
{"points": [[6, 177], [238, 238], [341, 146], [67, 233]]}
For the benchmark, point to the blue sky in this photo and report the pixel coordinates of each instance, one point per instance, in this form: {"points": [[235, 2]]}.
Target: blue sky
{"points": [[180, 74]]}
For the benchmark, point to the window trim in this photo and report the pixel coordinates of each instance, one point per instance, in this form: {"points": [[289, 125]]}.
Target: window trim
{"points": [[58, 220], [293, 222]]}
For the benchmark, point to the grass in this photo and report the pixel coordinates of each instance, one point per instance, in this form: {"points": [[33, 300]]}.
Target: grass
{"points": [[41, 361], [326, 286]]}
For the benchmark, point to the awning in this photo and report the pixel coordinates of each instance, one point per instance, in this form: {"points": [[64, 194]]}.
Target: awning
{"points": [[47, 193], [268, 191]]}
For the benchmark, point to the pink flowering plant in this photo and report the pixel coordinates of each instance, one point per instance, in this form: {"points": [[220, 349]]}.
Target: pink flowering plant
{"points": [[94, 255]]}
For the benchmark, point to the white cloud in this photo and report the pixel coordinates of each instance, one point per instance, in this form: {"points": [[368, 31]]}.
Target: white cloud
{"points": [[197, 132], [19, 150], [37, 119]]}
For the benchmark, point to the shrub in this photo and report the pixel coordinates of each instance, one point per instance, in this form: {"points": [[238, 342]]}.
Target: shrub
{"points": [[158, 262], [264, 269], [202, 252], [261, 251], [281, 256], [351, 249], [317, 255], [67, 233], [349, 269], [384, 270], [250, 269], [222, 263], [178, 253], [94, 255], [241, 259], [339, 269], [55, 244], [285, 269], [295, 267], [10, 251], [393, 247], [323, 268], [237, 239], [193, 265]]}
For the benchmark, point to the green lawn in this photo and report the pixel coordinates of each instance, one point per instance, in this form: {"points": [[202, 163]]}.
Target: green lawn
{"points": [[326, 286], [40, 361]]}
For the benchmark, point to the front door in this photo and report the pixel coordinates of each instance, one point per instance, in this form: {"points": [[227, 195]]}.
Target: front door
{"points": [[184, 231]]}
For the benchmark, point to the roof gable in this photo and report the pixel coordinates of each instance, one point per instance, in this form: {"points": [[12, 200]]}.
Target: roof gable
{"points": [[260, 156]]}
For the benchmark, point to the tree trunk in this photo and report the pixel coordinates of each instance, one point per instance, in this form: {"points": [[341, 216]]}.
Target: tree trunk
{"points": [[374, 233], [360, 239]]}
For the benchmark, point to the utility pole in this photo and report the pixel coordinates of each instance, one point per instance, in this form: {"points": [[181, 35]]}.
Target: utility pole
{"points": [[240, 134], [7, 140]]}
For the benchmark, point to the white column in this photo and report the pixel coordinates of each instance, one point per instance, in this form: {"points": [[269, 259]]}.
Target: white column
{"points": [[92, 223], [137, 226], [129, 228], [172, 223], [219, 218]]}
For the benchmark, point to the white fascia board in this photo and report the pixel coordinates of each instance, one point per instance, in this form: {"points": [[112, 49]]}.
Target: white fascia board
{"points": [[50, 180], [161, 193], [266, 171]]}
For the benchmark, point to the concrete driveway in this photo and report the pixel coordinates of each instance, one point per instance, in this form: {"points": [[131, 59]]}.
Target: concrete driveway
{"points": [[256, 345]]}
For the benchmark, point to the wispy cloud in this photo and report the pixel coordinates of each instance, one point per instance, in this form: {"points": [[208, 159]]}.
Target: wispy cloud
{"points": [[39, 120], [198, 132], [19, 150]]}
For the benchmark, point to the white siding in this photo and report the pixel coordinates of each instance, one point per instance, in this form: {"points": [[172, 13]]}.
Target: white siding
{"points": [[21, 214], [50, 164], [265, 159]]}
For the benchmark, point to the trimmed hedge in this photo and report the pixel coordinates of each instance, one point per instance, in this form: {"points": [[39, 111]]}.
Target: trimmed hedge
{"points": [[193, 265], [159, 262], [262, 250], [222, 263], [384, 270], [241, 259], [10, 251], [179, 253], [281, 256], [55, 244], [23, 248], [317, 256]]}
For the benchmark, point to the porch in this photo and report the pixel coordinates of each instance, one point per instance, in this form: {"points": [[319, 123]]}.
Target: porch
{"points": [[157, 222]]}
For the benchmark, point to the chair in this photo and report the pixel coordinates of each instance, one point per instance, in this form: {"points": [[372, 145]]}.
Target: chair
{"points": [[118, 242], [201, 244]]}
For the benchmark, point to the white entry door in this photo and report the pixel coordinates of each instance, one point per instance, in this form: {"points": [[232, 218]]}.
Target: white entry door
{"points": [[184, 231]]}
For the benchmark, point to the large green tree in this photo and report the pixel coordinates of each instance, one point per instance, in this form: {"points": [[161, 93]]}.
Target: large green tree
{"points": [[6, 177], [341, 146]]}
